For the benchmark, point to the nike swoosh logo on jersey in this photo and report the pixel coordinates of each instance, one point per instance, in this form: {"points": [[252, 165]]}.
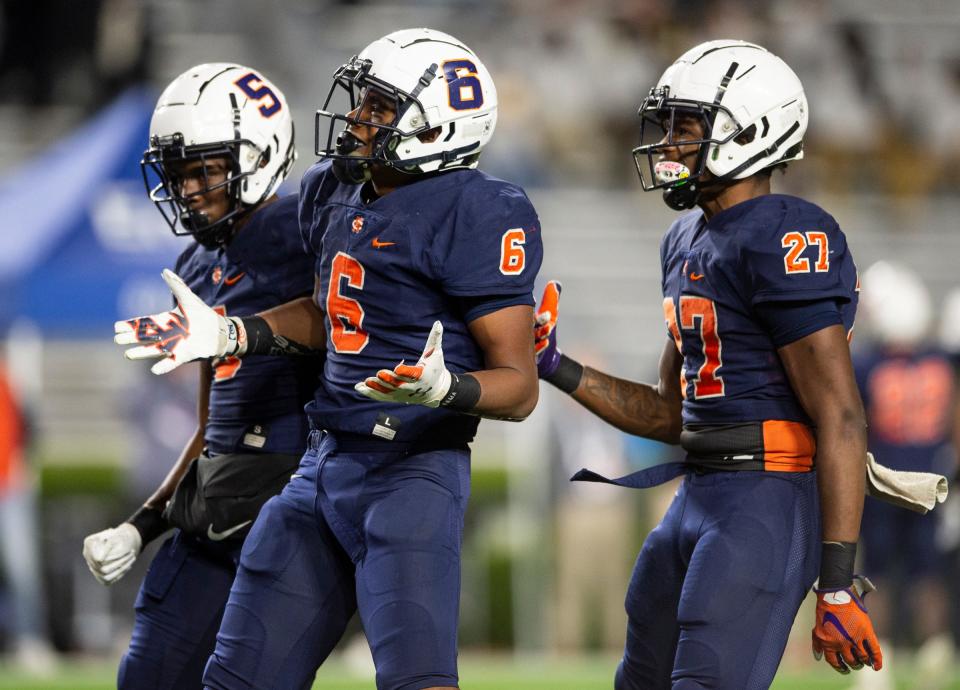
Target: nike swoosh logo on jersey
{"points": [[234, 279], [696, 276], [377, 243], [220, 536]]}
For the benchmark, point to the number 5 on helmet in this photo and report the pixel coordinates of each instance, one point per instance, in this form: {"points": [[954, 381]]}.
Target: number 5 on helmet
{"points": [[190, 331]]}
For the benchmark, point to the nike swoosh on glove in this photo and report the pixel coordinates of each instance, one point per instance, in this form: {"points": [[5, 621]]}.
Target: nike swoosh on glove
{"points": [[191, 331], [425, 383], [545, 330], [843, 632]]}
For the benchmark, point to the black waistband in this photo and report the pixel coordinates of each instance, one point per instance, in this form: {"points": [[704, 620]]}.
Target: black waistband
{"points": [[724, 446]]}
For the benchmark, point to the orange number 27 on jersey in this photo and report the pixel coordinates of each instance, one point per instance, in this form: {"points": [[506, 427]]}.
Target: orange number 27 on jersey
{"points": [[796, 242], [345, 313], [693, 309]]}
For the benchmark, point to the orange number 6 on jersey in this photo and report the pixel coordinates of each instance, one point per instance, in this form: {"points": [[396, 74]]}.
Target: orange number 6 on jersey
{"points": [[512, 255], [344, 313]]}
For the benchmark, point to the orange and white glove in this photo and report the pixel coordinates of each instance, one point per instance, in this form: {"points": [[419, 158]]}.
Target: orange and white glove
{"points": [[425, 383], [843, 632], [191, 331], [545, 330]]}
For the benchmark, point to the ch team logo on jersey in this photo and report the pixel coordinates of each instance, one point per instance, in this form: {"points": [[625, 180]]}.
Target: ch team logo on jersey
{"points": [[216, 275], [357, 226]]}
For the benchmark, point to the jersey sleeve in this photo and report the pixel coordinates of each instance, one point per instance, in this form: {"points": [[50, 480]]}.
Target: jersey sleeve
{"points": [[294, 264], [803, 258], [311, 186], [494, 247]]}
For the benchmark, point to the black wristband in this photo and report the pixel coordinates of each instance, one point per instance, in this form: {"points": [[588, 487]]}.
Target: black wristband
{"points": [[836, 564], [259, 335], [567, 376], [464, 393], [149, 523]]}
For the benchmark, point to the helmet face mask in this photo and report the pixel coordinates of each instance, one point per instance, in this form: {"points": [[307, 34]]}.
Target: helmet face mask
{"points": [[428, 81], [665, 126], [752, 111], [163, 167], [227, 129]]}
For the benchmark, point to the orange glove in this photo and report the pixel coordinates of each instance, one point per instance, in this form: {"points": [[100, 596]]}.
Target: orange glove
{"points": [[843, 631]]}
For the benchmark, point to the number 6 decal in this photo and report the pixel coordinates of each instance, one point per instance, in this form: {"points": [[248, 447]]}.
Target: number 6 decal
{"points": [[463, 86], [512, 255], [345, 313]]}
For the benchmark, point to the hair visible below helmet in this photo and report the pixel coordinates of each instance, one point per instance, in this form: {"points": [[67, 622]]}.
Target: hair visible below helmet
{"points": [[218, 110], [751, 105], [434, 81], [896, 303]]}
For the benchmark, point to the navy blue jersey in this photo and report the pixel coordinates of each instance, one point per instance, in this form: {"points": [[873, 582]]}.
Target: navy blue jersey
{"points": [[256, 402], [450, 247], [717, 273], [909, 398]]}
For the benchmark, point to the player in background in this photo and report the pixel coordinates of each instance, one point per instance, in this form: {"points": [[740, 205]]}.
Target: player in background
{"points": [[221, 142], [909, 393], [425, 269], [756, 381]]}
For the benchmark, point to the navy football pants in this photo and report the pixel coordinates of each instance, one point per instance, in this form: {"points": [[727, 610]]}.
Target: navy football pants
{"points": [[178, 612], [718, 583], [375, 532]]}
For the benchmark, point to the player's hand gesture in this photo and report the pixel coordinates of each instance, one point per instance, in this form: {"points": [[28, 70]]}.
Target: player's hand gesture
{"points": [[843, 632], [111, 553], [545, 330], [425, 383], [191, 331]]}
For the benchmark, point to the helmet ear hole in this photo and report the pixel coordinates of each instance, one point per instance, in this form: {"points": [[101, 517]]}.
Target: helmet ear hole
{"points": [[748, 135], [430, 135]]}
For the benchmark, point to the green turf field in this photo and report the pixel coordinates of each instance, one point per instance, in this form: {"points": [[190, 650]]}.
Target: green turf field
{"points": [[477, 673]]}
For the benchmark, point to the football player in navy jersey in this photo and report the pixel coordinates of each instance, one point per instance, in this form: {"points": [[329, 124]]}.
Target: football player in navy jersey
{"points": [[756, 384], [909, 393], [423, 304], [221, 142]]}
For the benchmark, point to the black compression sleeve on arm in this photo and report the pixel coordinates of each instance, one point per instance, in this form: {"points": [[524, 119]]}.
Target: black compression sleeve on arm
{"points": [[567, 376], [836, 564], [149, 523], [261, 340], [464, 393]]}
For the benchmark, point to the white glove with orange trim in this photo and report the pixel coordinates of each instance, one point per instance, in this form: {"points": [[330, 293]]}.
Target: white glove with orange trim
{"points": [[191, 331], [426, 383]]}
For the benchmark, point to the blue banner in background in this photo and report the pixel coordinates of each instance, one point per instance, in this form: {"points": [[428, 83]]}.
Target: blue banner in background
{"points": [[81, 244]]}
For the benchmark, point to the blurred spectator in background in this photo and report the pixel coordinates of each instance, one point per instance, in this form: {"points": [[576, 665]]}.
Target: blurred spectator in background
{"points": [[19, 562], [593, 548], [908, 390]]}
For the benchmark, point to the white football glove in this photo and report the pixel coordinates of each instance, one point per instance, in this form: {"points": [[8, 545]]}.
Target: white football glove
{"points": [[111, 553], [191, 331], [426, 383]]}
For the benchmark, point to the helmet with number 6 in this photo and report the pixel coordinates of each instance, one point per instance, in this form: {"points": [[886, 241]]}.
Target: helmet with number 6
{"points": [[433, 81], [217, 111], [750, 104]]}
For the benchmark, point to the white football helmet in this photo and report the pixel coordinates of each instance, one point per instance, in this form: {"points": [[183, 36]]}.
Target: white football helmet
{"points": [[434, 81], [218, 110], [752, 107], [896, 303]]}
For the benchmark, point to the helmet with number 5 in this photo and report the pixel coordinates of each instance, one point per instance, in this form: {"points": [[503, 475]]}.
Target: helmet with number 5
{"points": [[433, 81], [217, 111], [750, 104]]}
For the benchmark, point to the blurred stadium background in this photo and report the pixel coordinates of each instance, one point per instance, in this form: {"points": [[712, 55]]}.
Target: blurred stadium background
{"points": [[546, 563]]}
